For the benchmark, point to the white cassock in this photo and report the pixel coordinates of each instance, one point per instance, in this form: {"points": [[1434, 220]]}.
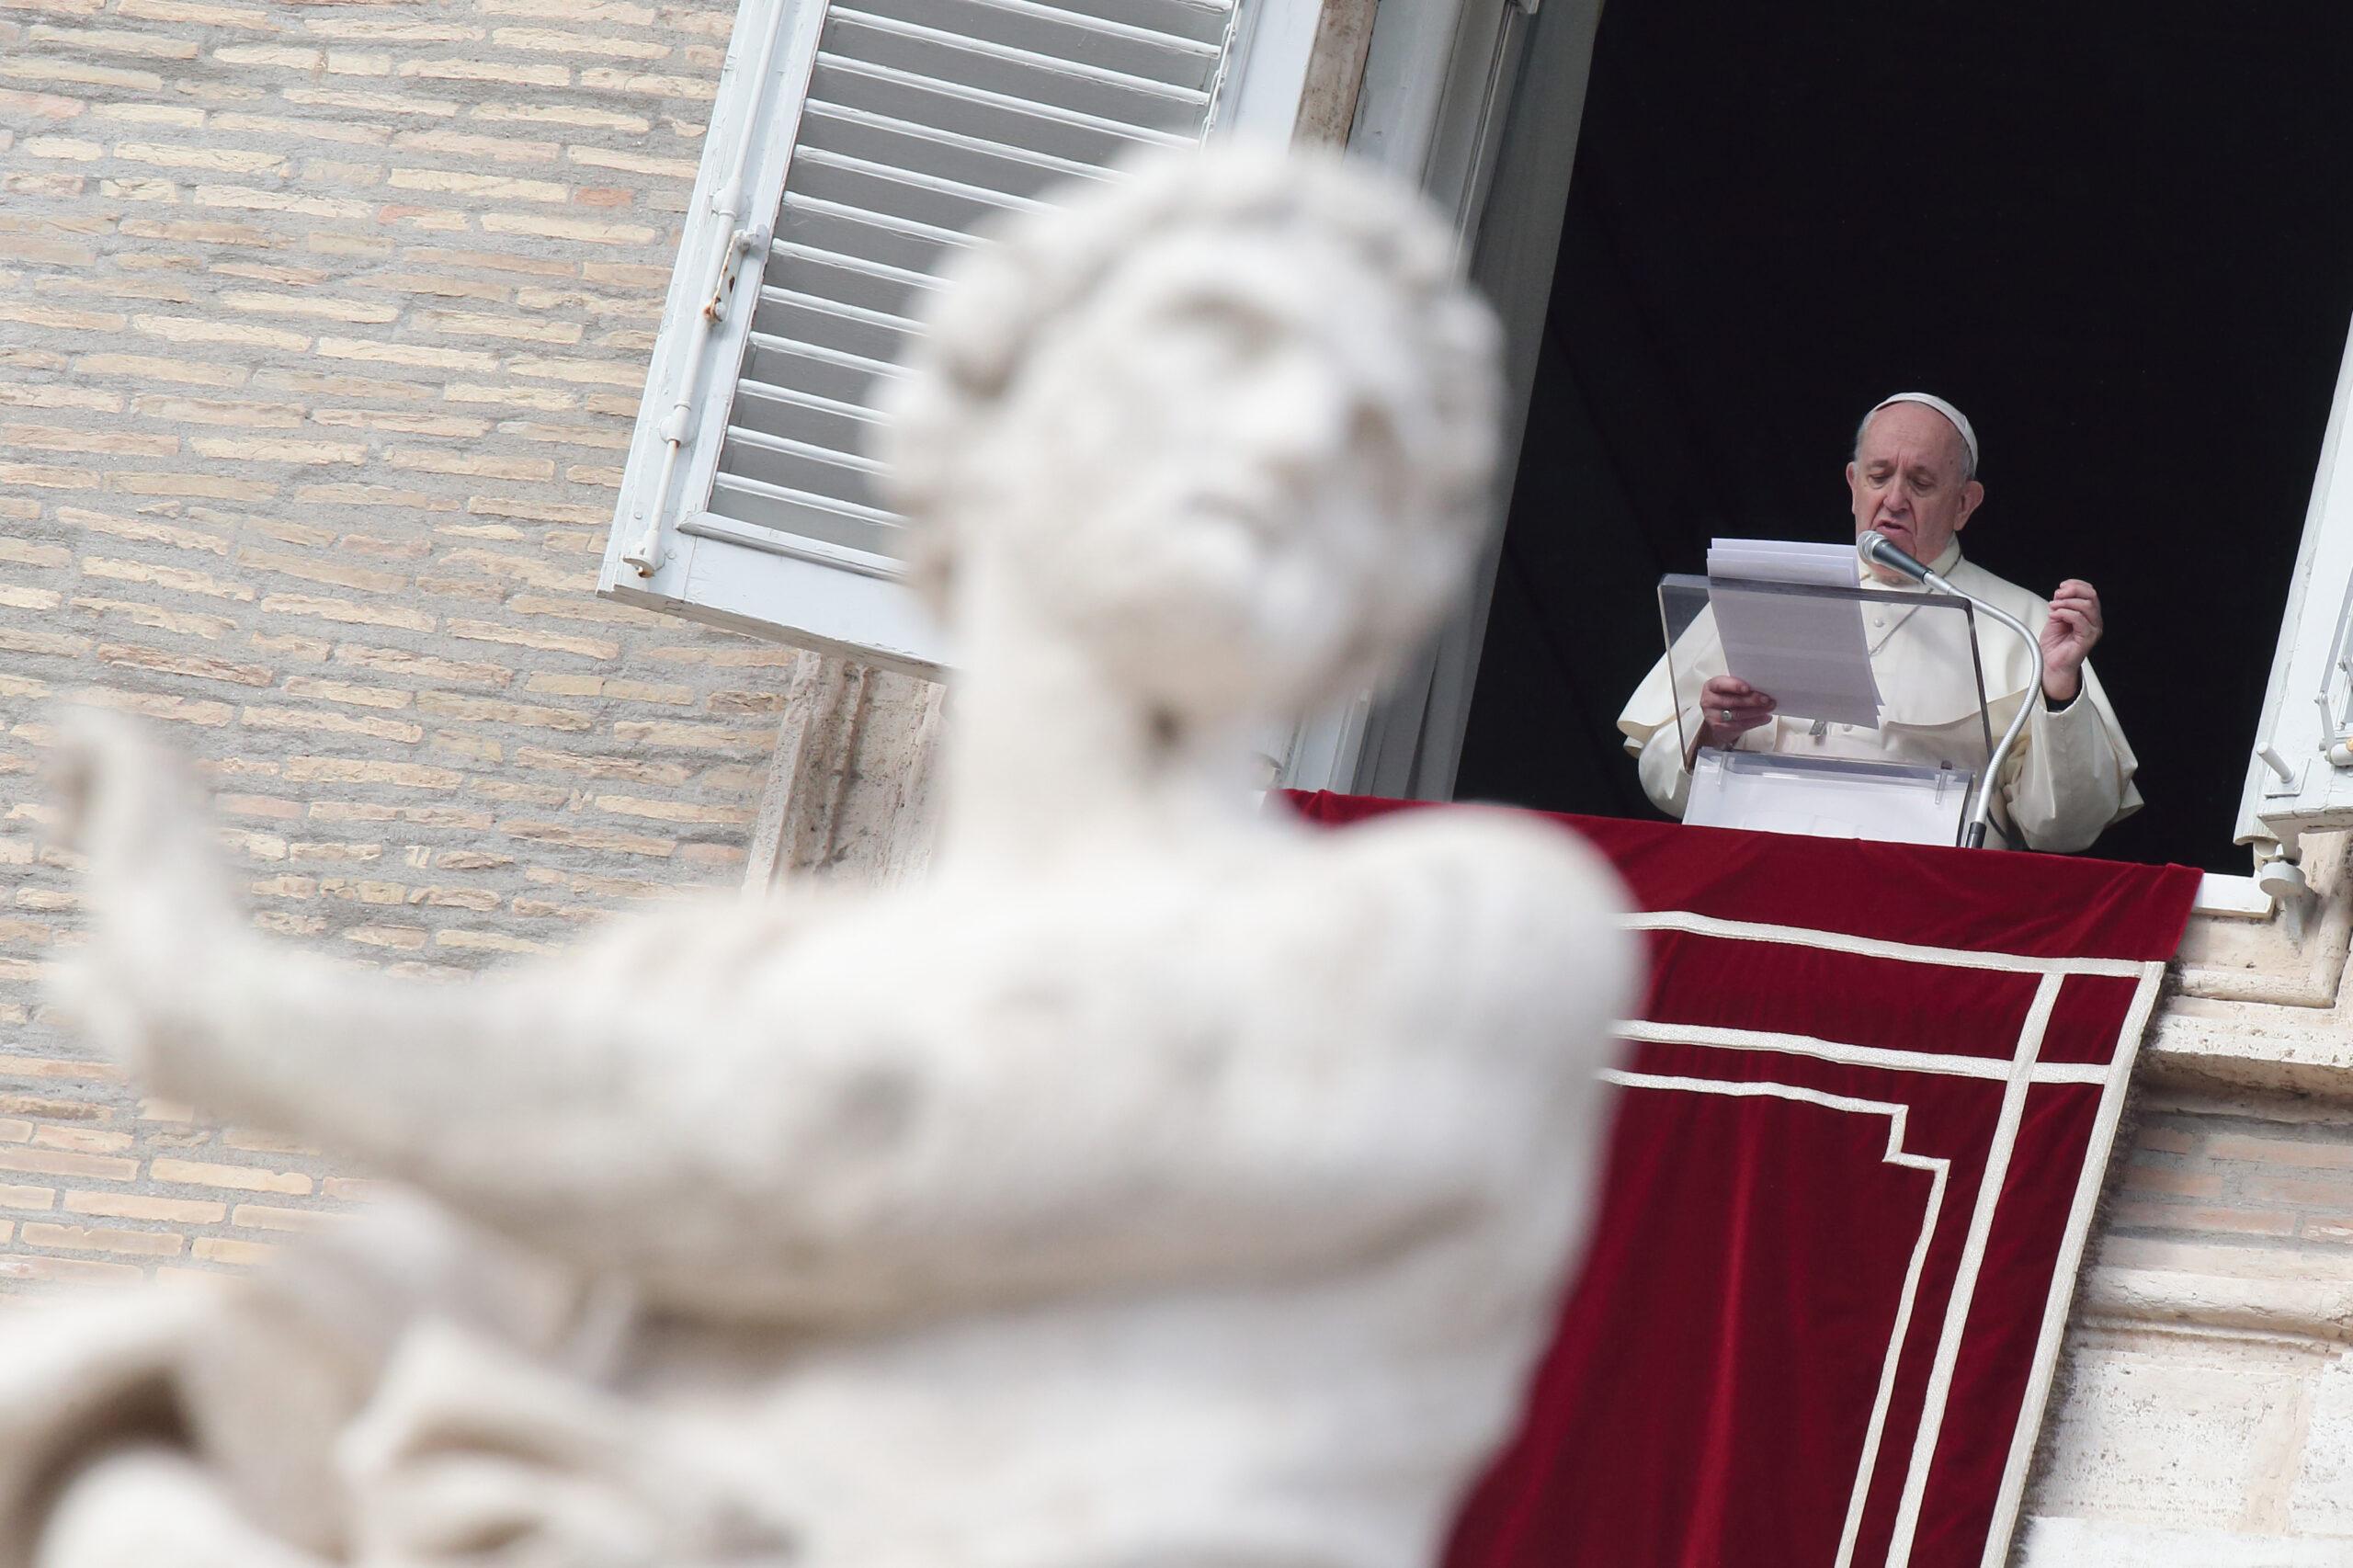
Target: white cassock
{"points": [[2071, 776]]}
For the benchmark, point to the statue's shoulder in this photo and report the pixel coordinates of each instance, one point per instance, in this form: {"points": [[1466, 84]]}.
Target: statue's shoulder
{"points": [[1484, 863]]}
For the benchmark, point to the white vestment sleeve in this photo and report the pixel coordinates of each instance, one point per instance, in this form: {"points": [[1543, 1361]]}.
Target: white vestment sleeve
{"points": [[2068, 781]]}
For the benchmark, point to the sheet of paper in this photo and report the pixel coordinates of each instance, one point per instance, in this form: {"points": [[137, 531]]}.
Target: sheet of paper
{"points": [[1808, 652]]}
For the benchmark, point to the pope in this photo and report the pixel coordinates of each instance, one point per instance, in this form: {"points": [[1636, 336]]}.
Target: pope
{"points": [[1914, 479]]}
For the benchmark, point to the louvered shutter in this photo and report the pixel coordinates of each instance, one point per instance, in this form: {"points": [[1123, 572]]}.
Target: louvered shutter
{"points": [[853, 145]]}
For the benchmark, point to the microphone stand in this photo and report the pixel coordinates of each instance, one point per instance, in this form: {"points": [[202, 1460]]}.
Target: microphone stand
{"points": [[1877, 552]]}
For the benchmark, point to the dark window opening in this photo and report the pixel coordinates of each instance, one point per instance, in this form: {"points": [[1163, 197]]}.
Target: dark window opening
{"points": [[2109, 233]]}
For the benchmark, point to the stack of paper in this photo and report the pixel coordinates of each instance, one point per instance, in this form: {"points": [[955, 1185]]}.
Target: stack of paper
{"points": [[1806, 651]]}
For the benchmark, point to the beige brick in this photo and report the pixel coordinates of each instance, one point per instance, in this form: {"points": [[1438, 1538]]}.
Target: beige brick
{"points": [[482, 901], [18, 105], [282, 56], [77, 73], [226, 1249], [29, 553], [17, 597], [62, 439], [268, 1217], [208, 486], [684, 734], [140, 189], [493, 187], [532, 637], [38, 1199], [493, 942], [312, 305], [180, 579], [462, 145], [202, 329], [310, 721], [406, 939], [68, 1271], [682, 169], [612, 12], [353, 494], [605, 373], [548, 226], [426, 667], [252, 199], [212, 159], [588, 837], [364, 890], [360, 770], [379, 697], [550, 41], [543, 399], [347, 611], [60, 317], [340, 854], [406, 422], [80, 1238], [561, 333], [184, 622], [279, 449], [146, 368], [343, 132], [392, 31], [195, 665], [180, 116], [199, 12], [347, 99], [172, 710], [404, 353], [140, 1206], [241, 1178], [674, 811], [607, 79], [505, 73], [241, 415], [358, 62], [92, 399], [494, 710], [63, 1163], [584, 116]]}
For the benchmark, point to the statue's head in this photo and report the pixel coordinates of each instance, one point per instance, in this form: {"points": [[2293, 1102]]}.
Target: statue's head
{"points": [[1226, 424]]}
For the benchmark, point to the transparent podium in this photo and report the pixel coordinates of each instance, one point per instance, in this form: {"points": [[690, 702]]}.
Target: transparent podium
{"points": [[1848, 662]]}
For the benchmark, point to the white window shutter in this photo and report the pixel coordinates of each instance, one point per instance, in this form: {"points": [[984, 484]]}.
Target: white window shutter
{"points": [[851, 146], [2300, 778]]}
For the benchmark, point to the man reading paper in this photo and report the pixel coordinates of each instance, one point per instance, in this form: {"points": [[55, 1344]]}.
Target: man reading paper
{"points": [[1914, 479]]}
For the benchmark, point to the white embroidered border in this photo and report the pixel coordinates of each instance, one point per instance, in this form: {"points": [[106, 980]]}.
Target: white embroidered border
{"points": [[2019, 1074], [1859, 1493], [2069, 1264], [1873, 947]]}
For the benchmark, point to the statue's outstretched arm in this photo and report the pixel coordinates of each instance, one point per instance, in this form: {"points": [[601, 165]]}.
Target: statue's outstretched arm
{"points": [[815, 1138]]}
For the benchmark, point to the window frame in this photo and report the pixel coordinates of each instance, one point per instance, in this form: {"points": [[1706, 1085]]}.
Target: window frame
{"points": [[708, 568]]}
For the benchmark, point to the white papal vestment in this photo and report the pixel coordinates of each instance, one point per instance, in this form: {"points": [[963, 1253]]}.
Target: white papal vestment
{"points": [[2070, 777]]}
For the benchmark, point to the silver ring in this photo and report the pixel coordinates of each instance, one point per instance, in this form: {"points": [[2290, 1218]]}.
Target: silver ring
{"points": [[1727, 713]]}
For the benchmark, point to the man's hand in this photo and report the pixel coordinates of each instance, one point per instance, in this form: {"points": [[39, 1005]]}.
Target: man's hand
{"points": [[1729, 708], [2067, 639]]}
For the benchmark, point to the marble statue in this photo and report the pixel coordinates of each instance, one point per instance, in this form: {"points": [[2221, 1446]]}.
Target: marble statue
{"points": [[1158, 1182]]}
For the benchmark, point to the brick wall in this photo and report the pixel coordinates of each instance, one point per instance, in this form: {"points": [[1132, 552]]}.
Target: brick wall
{"points": [[321, 327], [2268, 1171]]}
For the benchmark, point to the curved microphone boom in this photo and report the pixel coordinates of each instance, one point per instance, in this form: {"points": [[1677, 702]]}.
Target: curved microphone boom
{"points": [[1876, 550]]}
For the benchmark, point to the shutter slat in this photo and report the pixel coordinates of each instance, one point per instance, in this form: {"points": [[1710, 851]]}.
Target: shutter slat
{"points": [[1021, 171], [1132, 100], [976, 110], [923, 119], [1038, 31]]}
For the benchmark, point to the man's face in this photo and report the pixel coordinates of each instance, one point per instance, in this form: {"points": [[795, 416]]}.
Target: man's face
{"points": [[1906, 481]]}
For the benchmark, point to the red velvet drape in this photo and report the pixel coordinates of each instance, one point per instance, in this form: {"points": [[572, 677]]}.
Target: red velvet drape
{"points": [[1869, 1097]]}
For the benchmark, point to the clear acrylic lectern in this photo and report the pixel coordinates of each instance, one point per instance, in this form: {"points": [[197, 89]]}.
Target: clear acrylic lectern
{"points": [[1894, 681]]}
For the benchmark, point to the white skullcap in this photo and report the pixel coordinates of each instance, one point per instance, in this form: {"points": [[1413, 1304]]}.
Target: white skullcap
{"points": [[1930, 400]]}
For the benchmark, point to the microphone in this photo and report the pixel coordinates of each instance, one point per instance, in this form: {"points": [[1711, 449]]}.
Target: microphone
{"points": [[1876, 550]]}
